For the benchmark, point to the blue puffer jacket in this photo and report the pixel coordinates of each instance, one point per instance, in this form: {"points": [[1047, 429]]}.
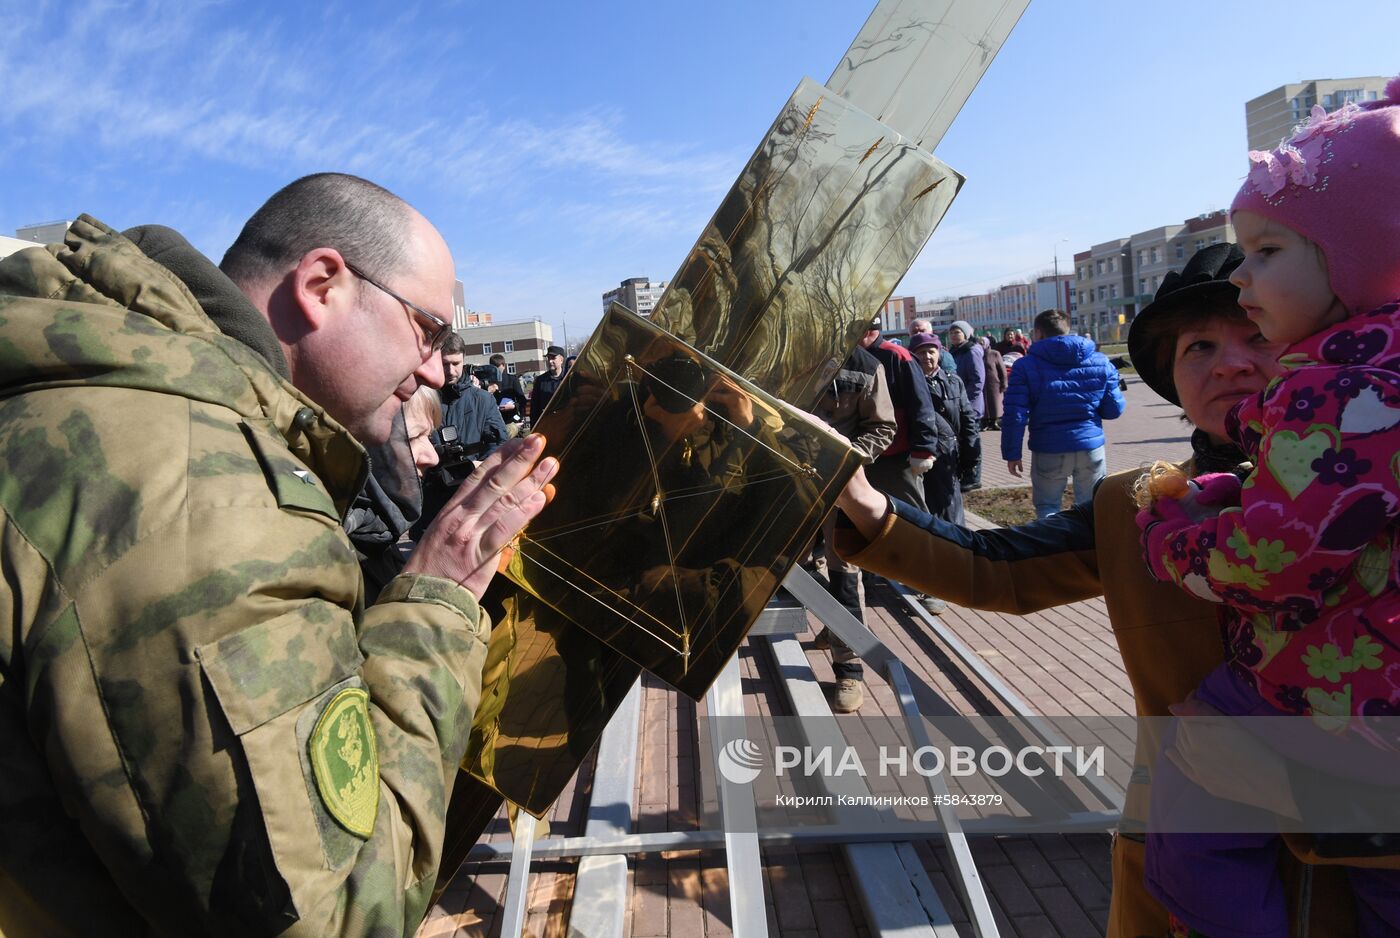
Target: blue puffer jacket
{"points": [[1065, 389]]}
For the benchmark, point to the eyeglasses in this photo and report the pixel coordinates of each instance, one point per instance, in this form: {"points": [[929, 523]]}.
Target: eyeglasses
{"points": [[435, 331]]}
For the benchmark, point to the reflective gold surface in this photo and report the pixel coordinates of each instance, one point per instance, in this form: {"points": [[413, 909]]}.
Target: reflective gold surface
{"points": [[686, 496], [548, 689], [821, 225], [915, 62]]}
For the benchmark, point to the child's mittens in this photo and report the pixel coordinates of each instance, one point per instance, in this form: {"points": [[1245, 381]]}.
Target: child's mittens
{"points": [[1158, 523], [1217, 489]]}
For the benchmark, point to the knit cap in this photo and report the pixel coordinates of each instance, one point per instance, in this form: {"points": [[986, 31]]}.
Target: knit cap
{"points": [[965, 326], [1336, 181]]}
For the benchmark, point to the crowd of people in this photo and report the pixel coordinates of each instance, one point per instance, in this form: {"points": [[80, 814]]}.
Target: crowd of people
{"points": [[219, 718]]}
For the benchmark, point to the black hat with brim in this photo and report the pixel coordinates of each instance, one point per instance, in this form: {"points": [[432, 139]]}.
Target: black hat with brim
{"points": [[1206, 276]]}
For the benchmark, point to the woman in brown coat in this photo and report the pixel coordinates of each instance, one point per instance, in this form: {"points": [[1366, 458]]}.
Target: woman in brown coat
{"points": [[994, 387], [1194, 347]]}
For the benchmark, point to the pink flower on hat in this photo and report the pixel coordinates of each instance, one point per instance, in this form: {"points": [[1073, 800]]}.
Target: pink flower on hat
{"points": [[1267, 171], [1302, 160], [1297, 160]]}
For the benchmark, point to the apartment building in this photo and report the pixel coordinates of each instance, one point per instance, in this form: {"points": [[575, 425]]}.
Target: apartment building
{"points": [[1103, 284], [639, 294], [1158, 251], [522, 343], [462, 317], [941, 313], [1272, 116], [1014, 305], [898, 312]]}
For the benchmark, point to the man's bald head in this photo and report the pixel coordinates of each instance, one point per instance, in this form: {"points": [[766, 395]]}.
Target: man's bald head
{"points": [[366, 223], [342, 269]]}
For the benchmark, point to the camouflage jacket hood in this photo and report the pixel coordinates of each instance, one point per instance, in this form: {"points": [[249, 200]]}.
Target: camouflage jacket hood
{"points": [[183, 626], [239, 366]]}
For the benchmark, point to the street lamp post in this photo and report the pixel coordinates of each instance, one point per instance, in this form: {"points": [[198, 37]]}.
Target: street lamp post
{"points": [[1059, 294]]}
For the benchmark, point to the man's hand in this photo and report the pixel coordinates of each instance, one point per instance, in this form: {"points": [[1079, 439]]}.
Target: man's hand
{"points": [[1013, 466], [920, 464], [865, 505], [731, 401], [495, 502]]}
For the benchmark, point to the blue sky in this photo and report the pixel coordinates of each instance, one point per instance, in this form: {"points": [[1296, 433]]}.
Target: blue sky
{"points": [[563, 146]]}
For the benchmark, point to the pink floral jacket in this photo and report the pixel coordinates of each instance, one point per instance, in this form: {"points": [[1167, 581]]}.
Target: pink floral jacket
{"points": [[1307, 562]]}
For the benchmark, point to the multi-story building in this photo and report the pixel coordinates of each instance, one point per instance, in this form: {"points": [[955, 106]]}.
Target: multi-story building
{"points": [[522, 343], [1272, 116], [899, 311], [49, 232], [638, 294], [462, 317], [941, 313], [1114, 280], [1053, 292], [1158, 251], [1014, 305], [1103, 282]]}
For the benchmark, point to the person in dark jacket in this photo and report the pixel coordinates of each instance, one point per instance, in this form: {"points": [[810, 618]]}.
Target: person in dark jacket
{"points": [[856, 405], [546, 382], [899, 470], [1064, 389], [472, 413], [972, 369], [1008, 342], [957, 430], [945, 357], [510, 397]]}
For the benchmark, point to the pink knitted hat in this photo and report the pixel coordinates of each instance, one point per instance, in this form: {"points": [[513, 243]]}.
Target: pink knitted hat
{"points": [[1336, 182]]}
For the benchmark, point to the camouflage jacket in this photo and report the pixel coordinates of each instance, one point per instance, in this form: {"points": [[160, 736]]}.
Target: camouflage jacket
{"points": [[202, 729]]}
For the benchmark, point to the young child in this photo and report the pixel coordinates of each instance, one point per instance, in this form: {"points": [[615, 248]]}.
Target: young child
{"points": [[1306, 562]]}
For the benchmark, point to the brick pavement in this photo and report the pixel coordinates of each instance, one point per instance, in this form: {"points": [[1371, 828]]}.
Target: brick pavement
{"points": [[1149, 429], [1062, 661]]}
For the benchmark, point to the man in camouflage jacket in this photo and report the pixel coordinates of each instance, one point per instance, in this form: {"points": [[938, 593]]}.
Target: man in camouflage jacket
{"points": [[202, 729]]}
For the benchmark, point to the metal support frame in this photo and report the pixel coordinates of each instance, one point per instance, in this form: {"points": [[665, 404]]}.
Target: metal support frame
{"points": [[1112, 796], [748, 918], [892, 904], [518, 881], [612, 803], [895, 891], [1047, 796], [558, 848]]}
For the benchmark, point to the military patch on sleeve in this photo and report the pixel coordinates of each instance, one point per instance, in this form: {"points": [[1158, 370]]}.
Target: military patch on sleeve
{"points": [[345, 761]]}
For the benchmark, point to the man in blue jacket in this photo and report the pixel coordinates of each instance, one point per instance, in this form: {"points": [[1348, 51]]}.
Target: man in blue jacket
{"points": [[1065, 389]]}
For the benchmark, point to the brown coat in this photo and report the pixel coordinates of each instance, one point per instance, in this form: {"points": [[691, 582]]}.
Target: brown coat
{"points": [[995, 385]]}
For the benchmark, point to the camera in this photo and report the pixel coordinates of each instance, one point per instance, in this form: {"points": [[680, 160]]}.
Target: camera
{"points": [[456, 459]]}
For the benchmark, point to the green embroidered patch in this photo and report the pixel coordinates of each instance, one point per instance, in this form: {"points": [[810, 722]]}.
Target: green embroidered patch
{"points": [[345, 761]]}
